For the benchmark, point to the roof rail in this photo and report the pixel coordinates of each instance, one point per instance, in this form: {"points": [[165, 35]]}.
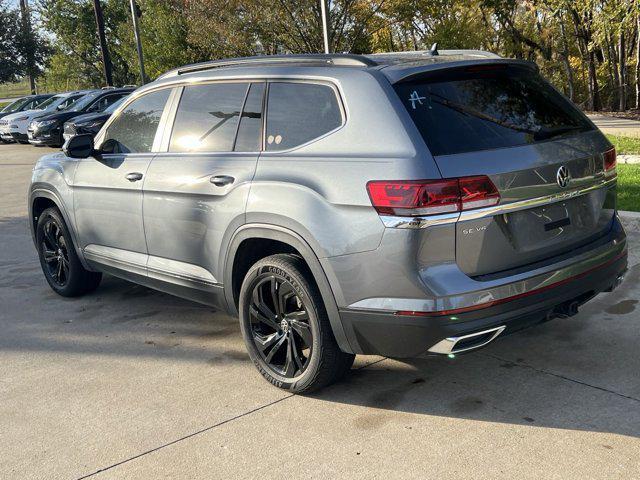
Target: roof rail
{"points": [[338, 59]]}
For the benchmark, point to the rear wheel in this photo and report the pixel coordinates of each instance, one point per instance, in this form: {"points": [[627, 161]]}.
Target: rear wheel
{"points": [[286, 328], [60, 264]]}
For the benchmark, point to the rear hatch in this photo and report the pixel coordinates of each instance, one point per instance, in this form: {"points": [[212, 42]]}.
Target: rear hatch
{"points": [[541, 153]]}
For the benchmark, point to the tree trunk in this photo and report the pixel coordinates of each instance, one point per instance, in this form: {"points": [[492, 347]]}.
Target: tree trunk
{"points": [[594, 90], [614, 79], [28, 35], [638, 62], [622, 77], [565, 59]]}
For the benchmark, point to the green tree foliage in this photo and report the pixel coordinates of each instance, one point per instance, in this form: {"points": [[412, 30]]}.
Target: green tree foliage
{"points": [[588, 48], [19, 44]]}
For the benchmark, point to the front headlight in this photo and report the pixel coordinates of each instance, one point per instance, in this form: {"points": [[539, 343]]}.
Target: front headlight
{"points": [[45, 123]]}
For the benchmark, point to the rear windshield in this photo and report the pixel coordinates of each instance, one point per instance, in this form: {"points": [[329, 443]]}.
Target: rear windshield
{"points": [[487, 107]]}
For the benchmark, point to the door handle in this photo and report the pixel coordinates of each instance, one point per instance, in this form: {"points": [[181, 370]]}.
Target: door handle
{"points": [[133, 176], [222, 180]]}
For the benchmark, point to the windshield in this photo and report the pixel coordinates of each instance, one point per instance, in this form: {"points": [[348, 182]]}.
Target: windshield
{"points": [[48, 102], [14, 106], [84, 102], [112, 108], [487, 107]]}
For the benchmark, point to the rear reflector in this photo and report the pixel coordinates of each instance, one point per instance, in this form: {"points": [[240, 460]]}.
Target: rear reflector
{"points": [[609, 159], [432, 197]]}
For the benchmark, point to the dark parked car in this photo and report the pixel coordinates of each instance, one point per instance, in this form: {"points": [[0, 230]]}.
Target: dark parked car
{"points": [[89, 123], [21, 104], [47, 130]]}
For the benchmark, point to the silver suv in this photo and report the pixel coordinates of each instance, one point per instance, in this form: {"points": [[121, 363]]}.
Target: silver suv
{"points": [[392, 204]]}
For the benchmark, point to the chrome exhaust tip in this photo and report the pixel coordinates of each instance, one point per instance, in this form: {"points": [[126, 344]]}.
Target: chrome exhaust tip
{"points": [[464, 343], [618, 281]]}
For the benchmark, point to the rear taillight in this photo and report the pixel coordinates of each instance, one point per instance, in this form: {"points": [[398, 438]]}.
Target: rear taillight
{"points": [[432, 197], [609, 159]]}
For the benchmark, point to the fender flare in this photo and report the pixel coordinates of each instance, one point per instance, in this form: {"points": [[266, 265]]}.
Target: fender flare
{"points": [[284, 235], [39, 192]]}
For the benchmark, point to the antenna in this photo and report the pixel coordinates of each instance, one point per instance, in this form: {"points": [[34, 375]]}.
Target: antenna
{"points": [[434, 49]]}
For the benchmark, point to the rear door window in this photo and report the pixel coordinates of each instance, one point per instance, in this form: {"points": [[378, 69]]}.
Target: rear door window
{"points": [[207, 117], [487, 107], [300, 112]]}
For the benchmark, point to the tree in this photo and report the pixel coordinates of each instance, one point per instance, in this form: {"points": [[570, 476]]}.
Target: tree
{"points": [[22, 52]]}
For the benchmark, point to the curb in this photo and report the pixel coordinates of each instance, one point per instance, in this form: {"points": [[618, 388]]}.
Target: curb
{"points": [[628, 159], [627, 215]]}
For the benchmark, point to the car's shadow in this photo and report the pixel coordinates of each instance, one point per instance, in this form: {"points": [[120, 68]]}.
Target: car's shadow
{"points": [[578, 374]]}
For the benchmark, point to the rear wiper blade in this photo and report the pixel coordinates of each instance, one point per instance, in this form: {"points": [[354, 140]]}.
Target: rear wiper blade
{"points": [[546, 133]]}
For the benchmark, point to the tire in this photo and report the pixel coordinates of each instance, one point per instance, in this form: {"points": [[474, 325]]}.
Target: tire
{"points": [[60, 264], [286, 328]]}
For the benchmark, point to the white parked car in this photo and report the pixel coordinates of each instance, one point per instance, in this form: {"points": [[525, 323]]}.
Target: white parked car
{"points": [[14, 126]]}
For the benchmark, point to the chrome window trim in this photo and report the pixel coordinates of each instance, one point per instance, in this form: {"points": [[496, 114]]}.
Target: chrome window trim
{"points": [[450, 218]]}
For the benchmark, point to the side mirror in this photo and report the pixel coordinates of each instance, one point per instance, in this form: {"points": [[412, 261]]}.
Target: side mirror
{"points": [[79, 146]]}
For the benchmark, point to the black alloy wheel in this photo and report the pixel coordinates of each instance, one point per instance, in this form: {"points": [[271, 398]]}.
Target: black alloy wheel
{"points": [[280, 327], [61, 266], [55, 252], [286, 328]]}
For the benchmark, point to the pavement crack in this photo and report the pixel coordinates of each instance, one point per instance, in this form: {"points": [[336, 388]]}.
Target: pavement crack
{"points": [[173, 442], [211, 427], [563, 377]]}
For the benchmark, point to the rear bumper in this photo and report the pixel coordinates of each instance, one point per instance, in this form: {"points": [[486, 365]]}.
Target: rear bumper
{"points": [[411, 334]]}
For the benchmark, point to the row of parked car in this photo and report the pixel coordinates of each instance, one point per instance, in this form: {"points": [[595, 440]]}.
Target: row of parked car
{"points": [[51, 119]]}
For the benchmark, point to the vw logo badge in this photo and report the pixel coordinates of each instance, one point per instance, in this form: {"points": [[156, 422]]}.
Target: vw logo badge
{"points": [[563, 177]]}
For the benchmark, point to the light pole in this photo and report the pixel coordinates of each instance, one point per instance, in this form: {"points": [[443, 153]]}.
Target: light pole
{"points": [[106, 60], [136, 31], [325, 26]]}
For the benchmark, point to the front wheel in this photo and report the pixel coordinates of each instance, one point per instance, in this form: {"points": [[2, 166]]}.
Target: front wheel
{"points": [[286, 328], [60, 263]]}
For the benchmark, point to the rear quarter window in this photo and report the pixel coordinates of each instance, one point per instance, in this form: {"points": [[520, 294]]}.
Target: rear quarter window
{"points": [[481, 108], [300, 112]]}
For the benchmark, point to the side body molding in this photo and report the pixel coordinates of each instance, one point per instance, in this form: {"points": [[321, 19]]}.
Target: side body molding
{"points": [[274, 232]]}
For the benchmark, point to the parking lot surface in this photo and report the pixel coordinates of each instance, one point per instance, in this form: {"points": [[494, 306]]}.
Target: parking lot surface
{"points": [[129, 383]]}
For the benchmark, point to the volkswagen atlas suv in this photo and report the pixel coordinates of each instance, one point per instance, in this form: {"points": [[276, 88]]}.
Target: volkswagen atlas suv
{"points": [[392, 204]]}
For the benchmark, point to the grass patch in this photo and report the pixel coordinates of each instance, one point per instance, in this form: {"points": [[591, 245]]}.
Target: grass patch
{"points": [[18, 89], [629, 187], [625, 145]]}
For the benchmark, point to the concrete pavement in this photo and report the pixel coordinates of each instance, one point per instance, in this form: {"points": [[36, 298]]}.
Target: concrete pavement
{"points": [[129, 383], [616, 126]]}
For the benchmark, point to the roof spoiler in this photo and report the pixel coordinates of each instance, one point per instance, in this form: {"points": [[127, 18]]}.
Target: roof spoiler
{"points": [[400, 73]]}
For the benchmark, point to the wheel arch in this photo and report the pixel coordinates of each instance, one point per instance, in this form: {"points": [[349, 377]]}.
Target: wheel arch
{"points": [[39, 200], [297, 245]]}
